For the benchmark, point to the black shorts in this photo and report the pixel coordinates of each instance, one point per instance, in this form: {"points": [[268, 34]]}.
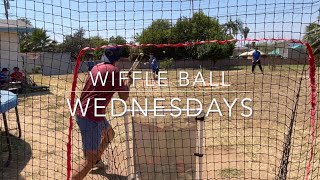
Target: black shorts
{"points": [[156, 71], [256, 63]]}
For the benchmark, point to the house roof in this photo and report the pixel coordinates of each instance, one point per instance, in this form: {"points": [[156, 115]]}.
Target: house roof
{"points": [[15, 26]]}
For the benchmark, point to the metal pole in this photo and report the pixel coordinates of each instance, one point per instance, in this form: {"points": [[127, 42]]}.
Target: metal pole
{"points": [[200, 148], [6, 7], [126, 125], [199, 154], [192, 7]]}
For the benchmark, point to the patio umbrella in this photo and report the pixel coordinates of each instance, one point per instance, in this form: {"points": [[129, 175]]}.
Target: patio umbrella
{"points": [[249, 54]]}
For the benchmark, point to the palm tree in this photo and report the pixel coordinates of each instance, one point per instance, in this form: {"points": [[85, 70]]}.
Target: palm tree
{"points": [[40, 40], [37, 41], [245, 31], [234, 27], [231, 27]]}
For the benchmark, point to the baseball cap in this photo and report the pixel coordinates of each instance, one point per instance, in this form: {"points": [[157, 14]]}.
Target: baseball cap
{"points": [[111, 54]]}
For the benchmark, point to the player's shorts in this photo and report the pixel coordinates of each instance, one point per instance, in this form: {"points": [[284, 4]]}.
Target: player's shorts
{"points": [[156, 71], [91, 132], [258, 62]]}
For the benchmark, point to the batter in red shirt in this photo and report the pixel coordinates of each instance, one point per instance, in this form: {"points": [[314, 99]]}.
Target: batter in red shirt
{"points": [[95, 130]]}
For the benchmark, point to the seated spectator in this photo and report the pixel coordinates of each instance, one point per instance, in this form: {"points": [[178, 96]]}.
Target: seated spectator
{"points": [[4, 78], [17, 75]]}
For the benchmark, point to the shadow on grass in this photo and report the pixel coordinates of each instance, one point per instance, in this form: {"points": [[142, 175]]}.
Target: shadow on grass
{"points": [[229, 68], [103, 172], [220, 68], [30, 94], [21, 155]]}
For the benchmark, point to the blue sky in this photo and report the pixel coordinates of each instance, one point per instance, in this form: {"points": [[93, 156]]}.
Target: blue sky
{"points": [[265, 18]]}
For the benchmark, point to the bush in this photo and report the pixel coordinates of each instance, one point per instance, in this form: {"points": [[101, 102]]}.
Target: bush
{"points": [[214, 51], [37, 70], [167, 63], [97, 54]]}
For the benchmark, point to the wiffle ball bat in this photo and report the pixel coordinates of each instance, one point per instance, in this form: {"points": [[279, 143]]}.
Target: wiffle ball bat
{"points": [[135, 63]]}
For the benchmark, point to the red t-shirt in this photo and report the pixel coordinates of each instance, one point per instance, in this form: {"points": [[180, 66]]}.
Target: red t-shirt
{"points": [[17, 76], [91, 92]]}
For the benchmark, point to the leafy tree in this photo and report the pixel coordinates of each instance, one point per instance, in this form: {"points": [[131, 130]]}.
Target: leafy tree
{"points": [[119, 40], [74, 43], [37, 41], [159, 32], [313, 36], [214, 51], [77, 41], [52, 47], [199, 27], [182, 31], [97, 41], [205, 27]]}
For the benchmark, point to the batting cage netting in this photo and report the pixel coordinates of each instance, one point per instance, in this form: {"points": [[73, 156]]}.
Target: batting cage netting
{"points": [[208, 89]]}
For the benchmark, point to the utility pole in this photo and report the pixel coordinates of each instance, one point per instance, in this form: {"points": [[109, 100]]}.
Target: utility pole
{"points": [[6, 7], [5, 4], [192, 7]]}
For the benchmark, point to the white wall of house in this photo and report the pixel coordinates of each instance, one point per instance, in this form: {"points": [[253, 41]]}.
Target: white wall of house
{"points": [[9, 50], [49, 63]]}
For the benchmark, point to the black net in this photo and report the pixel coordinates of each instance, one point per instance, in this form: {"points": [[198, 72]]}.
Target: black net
{"points": [[258, 110]]}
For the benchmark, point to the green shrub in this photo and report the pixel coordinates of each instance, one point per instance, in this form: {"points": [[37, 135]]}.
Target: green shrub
{"points": [[167, 63], [97, 54], [37, 70]]}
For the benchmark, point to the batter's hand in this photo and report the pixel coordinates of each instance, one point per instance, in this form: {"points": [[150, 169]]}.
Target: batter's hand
{"points": [[130, 80]]}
